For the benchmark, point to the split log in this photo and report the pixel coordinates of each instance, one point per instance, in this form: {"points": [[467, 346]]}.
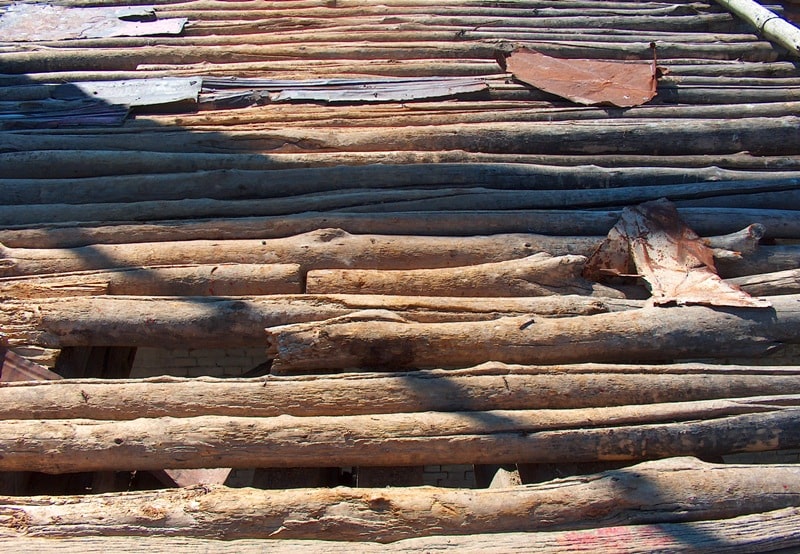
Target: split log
{"points": [[770, 284], [493, 386], [759, 135], [537, 275], [765, 532], [379, 339], [208, 322], [413, 199], [702, 428], [705, 221], [196, 280]]}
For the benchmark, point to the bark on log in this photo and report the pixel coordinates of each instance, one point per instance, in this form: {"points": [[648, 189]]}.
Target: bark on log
{"points": [[758, 135], [702, 428], [750, 194], [773, 531], [537, 275], [324, 248], [203, 322], [93, 187], [196, 280], [493, 386], [705, 221], [379, 339]]}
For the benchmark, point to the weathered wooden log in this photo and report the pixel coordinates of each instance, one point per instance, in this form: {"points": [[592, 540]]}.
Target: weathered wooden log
{"points": [[759, 532], [758, 135], [195, 280], [537, 275], [676, 490], [702, 428], [337, 249], [237, 184], [414, 199], [210, 322], [376, 338], [770, 284], [705, 221], [324, 248], [493, 386]]}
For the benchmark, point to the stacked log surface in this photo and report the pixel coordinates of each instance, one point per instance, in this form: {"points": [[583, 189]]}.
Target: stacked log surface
{"points": [[414, 272]]}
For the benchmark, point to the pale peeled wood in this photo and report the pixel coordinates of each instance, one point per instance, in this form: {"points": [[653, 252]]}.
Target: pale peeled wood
{"points": [[337, 249], [766, 22], [537, 275], [378, 338], [758, 532], [667, 491], [211, 322], [702, 428], [323, 248], [195, 280], [489, 386], [705, 221]]}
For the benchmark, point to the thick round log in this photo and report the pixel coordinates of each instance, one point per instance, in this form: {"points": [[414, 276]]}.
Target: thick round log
{"points": [[667, 491], [492, 386], [702, 428], [376, 339], [324, 248], [196, 280], [203, 322], [537, 275], [705, 221], [758, 532]]}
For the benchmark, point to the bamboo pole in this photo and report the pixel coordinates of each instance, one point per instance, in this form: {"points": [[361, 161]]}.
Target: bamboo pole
{"points": [[491, 386], [766, 22]]}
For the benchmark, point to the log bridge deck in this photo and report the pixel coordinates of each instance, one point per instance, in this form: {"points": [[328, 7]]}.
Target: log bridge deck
{"points": [[361, 189]]}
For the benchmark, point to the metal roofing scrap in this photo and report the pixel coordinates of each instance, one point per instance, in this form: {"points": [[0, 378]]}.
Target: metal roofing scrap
{"points": [[243, 92], [622, 84], [29, 22], [676, 264], [134, 92]]}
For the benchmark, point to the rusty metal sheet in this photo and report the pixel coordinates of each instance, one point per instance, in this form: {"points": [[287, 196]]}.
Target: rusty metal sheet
{"points": [[134, 92], [652, 242], [584, 81], [242, 92], [14, 367], [22, 22]]}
